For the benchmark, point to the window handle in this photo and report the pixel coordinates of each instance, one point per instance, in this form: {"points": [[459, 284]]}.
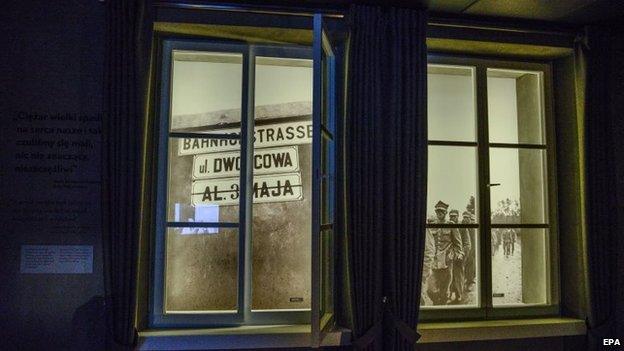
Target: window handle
{"points": [[493, 184]]}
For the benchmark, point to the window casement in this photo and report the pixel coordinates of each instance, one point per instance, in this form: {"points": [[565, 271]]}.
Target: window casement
{"points": [[491, 165], [245, 184]]}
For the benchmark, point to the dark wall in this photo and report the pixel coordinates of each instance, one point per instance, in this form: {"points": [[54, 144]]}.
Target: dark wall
{"points": [[51, 66]]}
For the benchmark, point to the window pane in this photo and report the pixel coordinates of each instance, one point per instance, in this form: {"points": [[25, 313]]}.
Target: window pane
{"points": [[519, 267], [203, 181], [206, 90], [452, 179], [451, 267], [515, 107], [327, 181], [521, 195], [281, 253], [325, 92], [327, 271], [283, 88], [201, 270], [451, 107]]}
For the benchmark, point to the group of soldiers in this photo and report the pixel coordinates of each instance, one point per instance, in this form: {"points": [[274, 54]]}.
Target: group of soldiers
{"points": [[449, 259]]}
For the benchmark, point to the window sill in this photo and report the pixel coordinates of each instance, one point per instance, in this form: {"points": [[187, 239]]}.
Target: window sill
{"points": [[243, 337], [500, 329]]}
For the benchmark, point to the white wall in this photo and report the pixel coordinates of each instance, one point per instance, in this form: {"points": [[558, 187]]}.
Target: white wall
{"points": [[200, 87]]}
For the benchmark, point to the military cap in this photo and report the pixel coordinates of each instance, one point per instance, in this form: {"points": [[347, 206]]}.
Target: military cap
{"points": [[441, 206], [454, 212], [467, 214]]}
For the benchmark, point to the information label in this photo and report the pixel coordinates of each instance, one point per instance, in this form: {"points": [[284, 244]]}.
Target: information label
{"points": [[266, 188], [64, 259], [227, 164]]}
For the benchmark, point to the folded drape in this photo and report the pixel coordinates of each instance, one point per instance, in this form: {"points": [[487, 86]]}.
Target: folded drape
{"points": [[386, 168], [604, 129], [127, 56]]}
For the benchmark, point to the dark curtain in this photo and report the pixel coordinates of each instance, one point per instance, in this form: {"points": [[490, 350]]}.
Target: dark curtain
{"points": [[386, 168], [128, 42], [604, 106]]}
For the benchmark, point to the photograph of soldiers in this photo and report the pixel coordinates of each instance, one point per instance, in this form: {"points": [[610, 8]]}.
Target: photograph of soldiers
{"points": [[507, 276], [448, 247], [469, 251], [457, 285]]}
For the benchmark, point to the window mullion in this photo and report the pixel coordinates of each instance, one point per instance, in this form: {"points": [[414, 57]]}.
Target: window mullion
{"points": [[202, 225], [189, 135], [484, 194], [246, 176]]}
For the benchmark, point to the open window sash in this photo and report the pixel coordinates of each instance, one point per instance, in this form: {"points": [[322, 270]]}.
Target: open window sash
{"points": [[323, 186]]}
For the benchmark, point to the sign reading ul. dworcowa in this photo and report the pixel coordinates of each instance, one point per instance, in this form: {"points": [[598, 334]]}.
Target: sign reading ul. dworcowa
{"points": [[217, 165], [227, 164]]}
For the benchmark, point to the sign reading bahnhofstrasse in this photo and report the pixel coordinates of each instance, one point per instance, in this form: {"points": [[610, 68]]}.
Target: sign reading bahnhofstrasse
{"points": [[266, 188], [227, 164], [278, 134]]}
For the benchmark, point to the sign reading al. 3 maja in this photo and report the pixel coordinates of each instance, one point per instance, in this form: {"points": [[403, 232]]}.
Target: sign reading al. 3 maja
{"points": [[266, 188], [217, 165]]}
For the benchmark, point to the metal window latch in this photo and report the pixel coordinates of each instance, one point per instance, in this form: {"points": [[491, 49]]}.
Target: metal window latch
{"points": [[493, 184]]}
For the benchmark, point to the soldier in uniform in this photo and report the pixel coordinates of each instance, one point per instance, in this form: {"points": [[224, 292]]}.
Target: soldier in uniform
{"points": [[470, 266], [509, 240], [495, 241], [429, 253], [447, 249], [457, 287], [506, 242], [513, 241]]}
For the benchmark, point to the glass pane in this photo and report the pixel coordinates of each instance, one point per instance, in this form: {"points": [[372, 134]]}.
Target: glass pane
{"points": [[327, 181], [520, 196], [451, 268], [328, 108], [327, 271], [206, 90], [203, 182], [452, 180], [283, 88], [519, 267], [281, 253], [201, 270], [451, 106], [515, 108]]}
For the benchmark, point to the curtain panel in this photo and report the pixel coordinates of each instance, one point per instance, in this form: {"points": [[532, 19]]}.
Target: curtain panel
{"points": [[127, 56], [386, 169], [604, 125]]}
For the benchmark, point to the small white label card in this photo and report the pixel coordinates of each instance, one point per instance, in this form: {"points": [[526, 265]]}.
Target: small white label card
{"points": [[60, 259]]}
